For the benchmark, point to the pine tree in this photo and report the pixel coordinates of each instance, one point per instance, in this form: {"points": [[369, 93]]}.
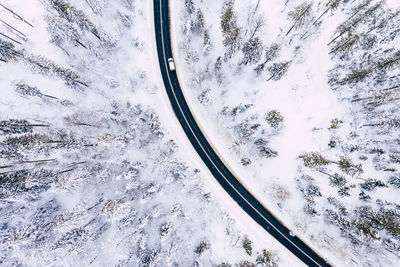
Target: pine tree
{"points": [[7, 51], [278, 70], [300, 15], [252, 51], [314, 160], [207, 45], [189, 6], [74, 15], [230, 29], [198, 23], [13, 126], [266, 258], [274, 119]]}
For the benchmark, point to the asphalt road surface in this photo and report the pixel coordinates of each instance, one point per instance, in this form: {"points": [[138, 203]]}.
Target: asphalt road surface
{"points": [[227, 180]]}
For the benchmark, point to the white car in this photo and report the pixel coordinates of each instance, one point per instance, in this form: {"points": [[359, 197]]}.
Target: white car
{"points": [[171, 64]]}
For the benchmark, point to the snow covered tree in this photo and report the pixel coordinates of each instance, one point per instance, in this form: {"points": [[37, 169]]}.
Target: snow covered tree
{"points": [[278, 70], [198, 24], [314, 160], [313, 190], [245, 161], [203, 246], [331, 5], [26, 90], [47, 67], [266, 258], [270, 53], [355, 76], [74, 15], [252, 51], [337, 180], [246, 244], [189, 6], [371, 184], [255, 25], [230, 29], [246, 130], [62, 31], [395, 181], [347, 166], [7, 51], [300, 15], [207, 45], [13, 126], [274, 118], [245, 264]]}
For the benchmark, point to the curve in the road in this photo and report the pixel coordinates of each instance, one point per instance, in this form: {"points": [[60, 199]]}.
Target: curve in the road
{"points": [[227, 180]]}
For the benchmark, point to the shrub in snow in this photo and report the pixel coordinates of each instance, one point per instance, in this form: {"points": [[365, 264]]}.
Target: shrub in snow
{"points": [[203, 246], [337, 180], [224, 264], [395, 181], [266, 152], [266, 258], [367, 230], [246, 244], [280, 193], [274, 118], [310, 207], [363, 196], [245, 264], [371, 184], [335, 123], [344, 191]]}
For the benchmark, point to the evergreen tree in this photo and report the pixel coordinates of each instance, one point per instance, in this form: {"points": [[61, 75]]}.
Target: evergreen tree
{"points": [[189, 6], [252, 51], [198, 23], [7, 51], [230, 29], [278, 70]]}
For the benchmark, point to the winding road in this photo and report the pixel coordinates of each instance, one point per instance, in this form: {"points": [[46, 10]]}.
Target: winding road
{"points": [[227, 180]]}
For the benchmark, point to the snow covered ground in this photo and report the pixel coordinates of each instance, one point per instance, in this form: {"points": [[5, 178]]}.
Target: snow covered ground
{"points": [[94, 170], [233, 105]]}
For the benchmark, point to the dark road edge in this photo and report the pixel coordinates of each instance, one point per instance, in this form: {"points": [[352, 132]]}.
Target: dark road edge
{"points": [[221, 173]]}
